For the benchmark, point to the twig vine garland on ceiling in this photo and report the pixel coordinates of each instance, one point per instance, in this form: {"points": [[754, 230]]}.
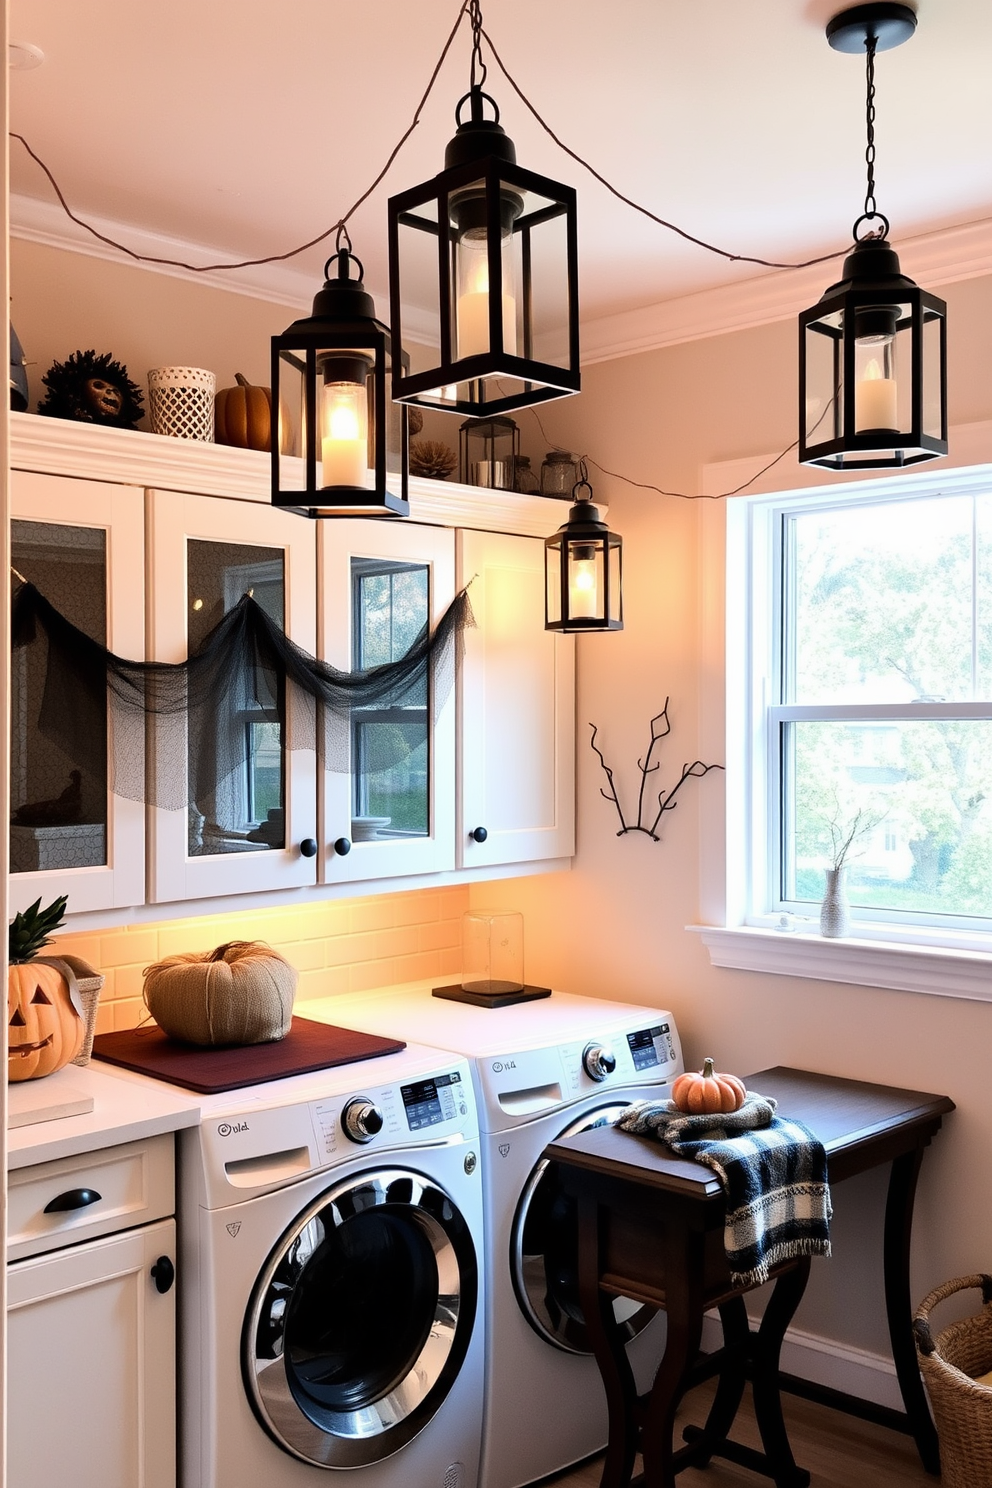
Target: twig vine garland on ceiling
{"points": [[246, 670], [660, 729]]}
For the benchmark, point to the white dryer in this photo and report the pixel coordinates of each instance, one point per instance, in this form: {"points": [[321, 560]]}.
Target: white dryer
{"points": [[542, 1069], [330, 1253]]}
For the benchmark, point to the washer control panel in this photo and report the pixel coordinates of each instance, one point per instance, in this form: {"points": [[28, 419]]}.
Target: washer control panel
{"points": [[435, 1101]]}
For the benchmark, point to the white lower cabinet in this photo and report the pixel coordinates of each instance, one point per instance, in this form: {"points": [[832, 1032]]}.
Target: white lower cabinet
{"points": [[91, 1323]]}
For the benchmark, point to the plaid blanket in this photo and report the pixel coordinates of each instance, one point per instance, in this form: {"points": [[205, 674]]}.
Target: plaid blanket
{"points": [[772, 1170]]}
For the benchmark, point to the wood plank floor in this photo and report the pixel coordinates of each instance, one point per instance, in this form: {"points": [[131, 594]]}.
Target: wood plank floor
{"points": [[839, 1451]]}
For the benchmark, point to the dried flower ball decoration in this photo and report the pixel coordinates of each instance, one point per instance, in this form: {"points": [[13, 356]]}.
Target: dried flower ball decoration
{"points": [[432, 458], [93, 390]]}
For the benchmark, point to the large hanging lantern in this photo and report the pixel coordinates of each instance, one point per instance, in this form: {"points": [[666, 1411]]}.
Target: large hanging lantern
{"points": [[583, 571], [491, 250], [331, 376], [873, 351]]}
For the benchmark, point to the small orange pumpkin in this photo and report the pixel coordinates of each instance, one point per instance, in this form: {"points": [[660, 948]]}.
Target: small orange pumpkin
{"points": [[243, 415], [708, 1092], [44, 1030]]}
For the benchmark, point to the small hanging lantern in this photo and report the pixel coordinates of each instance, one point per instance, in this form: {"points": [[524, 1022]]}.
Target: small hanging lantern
{"points": [[488, 452], [330, 385], [873, 351], [583, 571], [498, 247]]}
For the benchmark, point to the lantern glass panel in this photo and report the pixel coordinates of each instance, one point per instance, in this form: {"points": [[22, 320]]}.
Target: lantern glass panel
{"points": [[417, 274], [552, 566], [586, 587], [541, 244], [824, 380], [615, 590], [292, 420], [933, 425]]}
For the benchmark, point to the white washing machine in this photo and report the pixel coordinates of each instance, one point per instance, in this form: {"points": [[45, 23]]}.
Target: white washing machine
{"points": [[330, 1265], [541, 1069]]}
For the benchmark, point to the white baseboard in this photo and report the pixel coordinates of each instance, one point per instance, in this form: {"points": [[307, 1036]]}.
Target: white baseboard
{"points": [[822, 1361]]}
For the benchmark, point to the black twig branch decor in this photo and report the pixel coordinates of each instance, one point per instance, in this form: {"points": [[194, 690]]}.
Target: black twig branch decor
{"points": [[661, 727]]}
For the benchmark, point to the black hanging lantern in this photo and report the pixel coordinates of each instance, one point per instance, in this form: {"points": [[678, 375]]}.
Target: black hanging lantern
{"points": [[583, 571], [492, 250], [873, 351], [331, 376]]}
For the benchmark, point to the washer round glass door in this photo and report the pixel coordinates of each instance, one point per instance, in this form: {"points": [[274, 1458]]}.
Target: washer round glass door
{"points": [[544, 1253], [361, 1318]]}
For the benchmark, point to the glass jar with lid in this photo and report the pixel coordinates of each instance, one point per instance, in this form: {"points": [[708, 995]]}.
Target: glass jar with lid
{"points": [[559, 473], [524, 480]]}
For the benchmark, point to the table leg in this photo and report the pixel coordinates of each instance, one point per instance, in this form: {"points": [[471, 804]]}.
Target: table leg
{"points": [[683, 1257], [706, 1440], [778, 1315], [609, 1350], [899, 1307]]}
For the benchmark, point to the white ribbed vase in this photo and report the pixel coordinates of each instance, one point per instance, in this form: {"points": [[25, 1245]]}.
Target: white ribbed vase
{"points": [[835, 912]]}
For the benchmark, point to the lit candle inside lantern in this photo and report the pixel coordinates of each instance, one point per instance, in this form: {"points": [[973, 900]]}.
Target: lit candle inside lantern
{"points": [[344, 446], [875, 400], [473, 301], [583, 589]]}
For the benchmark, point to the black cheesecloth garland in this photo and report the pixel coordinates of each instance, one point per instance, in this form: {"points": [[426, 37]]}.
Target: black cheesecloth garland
{"points": [[246, 668]]}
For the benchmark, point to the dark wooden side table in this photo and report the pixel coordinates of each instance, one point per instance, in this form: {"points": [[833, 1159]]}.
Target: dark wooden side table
{"points": [[651, 1228]]}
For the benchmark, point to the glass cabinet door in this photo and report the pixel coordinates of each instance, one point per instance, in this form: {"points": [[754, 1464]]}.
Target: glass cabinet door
{"points": [[80, 544], [390, 793], [251, 800]]}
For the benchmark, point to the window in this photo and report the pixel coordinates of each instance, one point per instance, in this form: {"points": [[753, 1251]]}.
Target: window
{"points": [[869, 713]]}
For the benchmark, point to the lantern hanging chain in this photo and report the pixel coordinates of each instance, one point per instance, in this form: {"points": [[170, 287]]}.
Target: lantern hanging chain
{"points": [[871, 207], [477, 81], [472, 9]]}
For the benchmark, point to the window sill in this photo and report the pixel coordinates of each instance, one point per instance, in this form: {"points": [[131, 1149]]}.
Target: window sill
{"points": [[934, 970]]}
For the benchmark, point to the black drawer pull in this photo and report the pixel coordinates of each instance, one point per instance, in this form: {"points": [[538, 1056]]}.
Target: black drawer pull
{"points": [[73, 1198], [164, 1273]]}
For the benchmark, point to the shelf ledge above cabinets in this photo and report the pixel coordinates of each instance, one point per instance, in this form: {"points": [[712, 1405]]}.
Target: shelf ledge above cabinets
{"points": [[158, 462]]}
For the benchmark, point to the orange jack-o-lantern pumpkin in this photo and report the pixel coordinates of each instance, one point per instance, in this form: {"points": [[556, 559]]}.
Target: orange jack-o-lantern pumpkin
{"points": [[44, 1030]]}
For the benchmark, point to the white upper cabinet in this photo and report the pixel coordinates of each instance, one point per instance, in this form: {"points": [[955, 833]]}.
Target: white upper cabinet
{"points": [[516, 710], [388, 794], [250, 827], [81, 543]]}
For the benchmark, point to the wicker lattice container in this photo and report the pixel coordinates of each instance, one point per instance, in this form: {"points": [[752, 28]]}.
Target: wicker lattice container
{"points": [[962, 1406], [181, 402]]}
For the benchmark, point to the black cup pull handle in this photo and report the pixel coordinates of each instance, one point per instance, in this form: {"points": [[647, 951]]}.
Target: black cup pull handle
{"points": [[479, 835], [73, 1198], [308, 847], [163, 1273], [343, 846]]}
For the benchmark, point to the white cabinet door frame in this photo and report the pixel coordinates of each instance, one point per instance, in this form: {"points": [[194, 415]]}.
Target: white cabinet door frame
{"points": [[402, 542], [173, 520], [119, 512], [516, 710]]}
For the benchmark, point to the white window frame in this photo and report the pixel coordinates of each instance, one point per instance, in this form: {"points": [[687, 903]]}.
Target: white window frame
{"points": [[745, 928]]}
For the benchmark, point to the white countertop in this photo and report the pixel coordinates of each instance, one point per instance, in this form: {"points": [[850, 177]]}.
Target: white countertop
{"points": [[126, 1107]]}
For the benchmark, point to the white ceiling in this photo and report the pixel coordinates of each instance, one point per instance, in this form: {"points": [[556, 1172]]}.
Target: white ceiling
{"points": [[248, 126]]}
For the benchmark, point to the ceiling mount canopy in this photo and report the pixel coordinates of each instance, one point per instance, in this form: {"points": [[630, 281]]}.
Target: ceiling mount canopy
{"points": [[330, 385], [493, 248], [873, 351]]}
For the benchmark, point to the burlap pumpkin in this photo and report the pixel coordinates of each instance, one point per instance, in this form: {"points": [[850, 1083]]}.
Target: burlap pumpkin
{"points": [[241, 993]]}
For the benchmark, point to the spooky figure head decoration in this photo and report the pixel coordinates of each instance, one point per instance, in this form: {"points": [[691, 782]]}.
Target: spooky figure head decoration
{"points": [[92, 389]]}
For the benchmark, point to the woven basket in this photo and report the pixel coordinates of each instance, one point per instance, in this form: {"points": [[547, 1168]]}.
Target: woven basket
{"points": [[181, 402], [962, 1407]]}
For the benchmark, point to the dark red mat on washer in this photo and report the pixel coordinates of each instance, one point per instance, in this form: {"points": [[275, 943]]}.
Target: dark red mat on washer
{"points": [[307, 1046]]}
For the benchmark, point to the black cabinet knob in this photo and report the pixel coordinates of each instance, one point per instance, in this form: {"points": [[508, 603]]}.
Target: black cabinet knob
{"points": [[73, 1198], [479, 835], [343, 846], [163, 1273], [308, 848]]}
